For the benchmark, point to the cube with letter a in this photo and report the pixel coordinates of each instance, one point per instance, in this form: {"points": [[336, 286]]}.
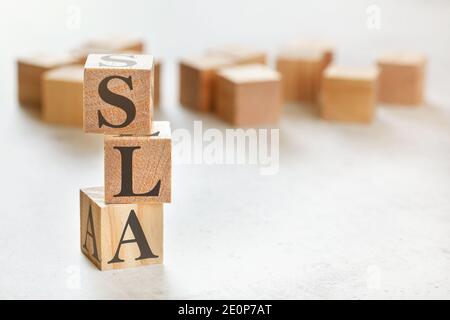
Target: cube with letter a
{"points": [[119, 236], [118, 93], [138, 167]]}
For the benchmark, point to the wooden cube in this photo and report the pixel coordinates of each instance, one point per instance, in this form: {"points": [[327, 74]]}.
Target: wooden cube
{"points": [[30, 71], [108, 45], [240, 54], [299, 76], [118, 91], [301, 67], [402, 78], [349, 94], [157, 83], [197, 81], [248, 95], [138, 168], [62, 96], [118, 236]]}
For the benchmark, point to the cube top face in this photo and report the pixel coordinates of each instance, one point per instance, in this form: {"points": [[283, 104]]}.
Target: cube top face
{"points": [[239, 54], [120, 235], [138, 168], [309, 54], [320, 44], [73, 73], [160, 130], [118, 94], [206, 63], [368, 74], [48, 61], [120, 61], [249, 74], [402, 59]]}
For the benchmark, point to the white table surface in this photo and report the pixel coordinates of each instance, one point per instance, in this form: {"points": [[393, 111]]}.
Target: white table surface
{"points": [[354, 212]]}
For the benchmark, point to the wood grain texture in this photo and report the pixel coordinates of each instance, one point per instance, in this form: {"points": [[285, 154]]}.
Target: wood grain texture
{"points": [[402, 78], [29, 75], [239, 54], [248, 95], [107, 227], [141, 93], [197, 81], [349, 94], [62, 96], [157, 83], [151, 163]]}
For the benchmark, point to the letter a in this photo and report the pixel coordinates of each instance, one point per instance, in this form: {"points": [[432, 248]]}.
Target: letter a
{"points": [[140, 239], [91, 233]]}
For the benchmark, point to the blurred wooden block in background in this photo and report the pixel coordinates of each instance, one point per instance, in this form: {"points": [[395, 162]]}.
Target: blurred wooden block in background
{"points": [[402, 78], [119, 236], [239, 54], [118, 91], [108, 45], [157, 82], [301, 65], [29, 75], [62, 96], [248, 95], [138, 168], [197, 81], [349, 94], [300, 76]]}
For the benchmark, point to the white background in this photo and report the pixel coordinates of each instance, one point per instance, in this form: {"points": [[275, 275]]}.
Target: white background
{"points": [[354, 212]]}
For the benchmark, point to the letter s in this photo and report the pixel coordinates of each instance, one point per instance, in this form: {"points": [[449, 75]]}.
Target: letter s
{"points": [[116, 100]]}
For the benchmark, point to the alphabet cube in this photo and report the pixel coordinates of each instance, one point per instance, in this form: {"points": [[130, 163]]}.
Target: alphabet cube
{"points": [[30, 71], [138, 168], [118, 93], [197, 81], [119, 236], [62, 96], [349, 94], [301, 66], [402, 78], [239, 54], [248, 94]]}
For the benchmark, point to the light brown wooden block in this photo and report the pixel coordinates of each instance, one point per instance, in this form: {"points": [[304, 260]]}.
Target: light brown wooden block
{"points": [[118, 94], [301, 66], [157, 82], [30, 71], [138, 168], [300, 74], [62, 96], [402, 78], [349, 94], [197, 81], [108, 45], [248, 95], [239, 54], [118, 236]]}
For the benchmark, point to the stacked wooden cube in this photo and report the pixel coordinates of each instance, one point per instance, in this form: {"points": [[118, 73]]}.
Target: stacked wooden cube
{"points": [[122, 223]]}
